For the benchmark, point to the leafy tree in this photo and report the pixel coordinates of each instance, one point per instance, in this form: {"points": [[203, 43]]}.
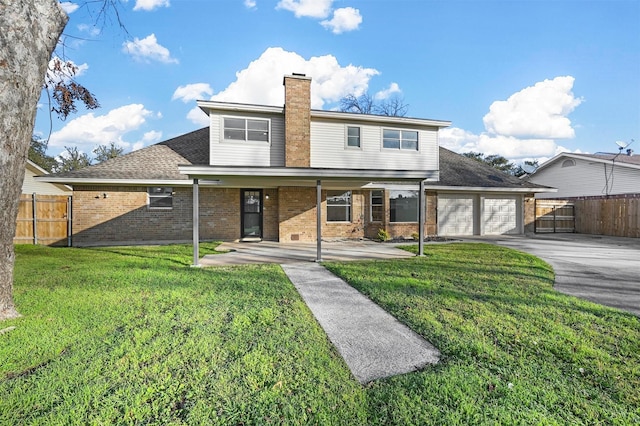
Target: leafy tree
{"points": [[107, 152], [496, 161], [38, 154], [366, 104], [72, 159]]}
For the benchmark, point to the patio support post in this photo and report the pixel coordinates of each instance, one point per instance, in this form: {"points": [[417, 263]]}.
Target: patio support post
{"points": [[421, 218], [319, 220], [196, 224]]}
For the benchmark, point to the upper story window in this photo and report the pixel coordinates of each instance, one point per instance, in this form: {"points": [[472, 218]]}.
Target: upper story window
{"points": [[353, 137], [400, 139], [246, 129], [568, 163], [338, 206], [403, 206], [160, 197]]}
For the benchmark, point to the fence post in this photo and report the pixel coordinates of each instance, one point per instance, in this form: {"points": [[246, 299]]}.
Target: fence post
{"points": [[554, 219], [69, 221], [35, 218]]}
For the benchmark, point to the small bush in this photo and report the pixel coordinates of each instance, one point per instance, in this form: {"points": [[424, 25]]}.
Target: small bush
{"points": [[383, 235], [415, 236]]}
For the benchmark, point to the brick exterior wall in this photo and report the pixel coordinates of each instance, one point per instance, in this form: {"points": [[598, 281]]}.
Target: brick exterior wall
{"points": [[401, 230], [297, 121], [529, 213]]}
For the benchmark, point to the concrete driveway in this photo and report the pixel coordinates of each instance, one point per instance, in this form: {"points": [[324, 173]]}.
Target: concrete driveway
{"points": [[602, 269]]}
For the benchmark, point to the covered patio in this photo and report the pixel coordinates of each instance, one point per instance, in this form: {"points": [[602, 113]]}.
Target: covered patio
{"points": [[274, 177]]}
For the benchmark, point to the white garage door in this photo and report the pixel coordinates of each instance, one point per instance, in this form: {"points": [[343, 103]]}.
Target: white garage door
{"points": [[455, 214], [500, 216]]}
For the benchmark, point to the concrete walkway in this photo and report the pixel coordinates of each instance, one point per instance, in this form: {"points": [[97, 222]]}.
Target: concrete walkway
{"points": [[372, 342]]}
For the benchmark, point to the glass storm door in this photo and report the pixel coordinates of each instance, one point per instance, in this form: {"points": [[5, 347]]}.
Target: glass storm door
{"points": [[251, 213]]}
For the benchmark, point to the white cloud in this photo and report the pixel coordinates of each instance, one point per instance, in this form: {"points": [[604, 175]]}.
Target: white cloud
{"points": [[197, 116], [69, 7], [386, 93], [89, 130], [250, 4], [261, 81], [523, 127], [63, 71], [149, 5], [307, 8], [147, 50], [192, 92], [539, 111], [148, 138], [344, 19], [91, 30]]}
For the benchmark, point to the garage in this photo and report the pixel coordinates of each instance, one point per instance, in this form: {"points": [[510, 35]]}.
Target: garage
{"points": [[500, 215], [456, 214]]}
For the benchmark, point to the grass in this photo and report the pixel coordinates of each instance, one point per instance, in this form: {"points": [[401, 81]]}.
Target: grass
{"points": [[135, 336]]}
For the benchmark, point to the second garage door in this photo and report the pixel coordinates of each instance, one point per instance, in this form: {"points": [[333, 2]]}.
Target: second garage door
{"points": [[500, 216]]}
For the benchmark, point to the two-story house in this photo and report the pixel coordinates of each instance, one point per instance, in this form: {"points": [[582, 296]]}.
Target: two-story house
{"points": [[290, 173]]}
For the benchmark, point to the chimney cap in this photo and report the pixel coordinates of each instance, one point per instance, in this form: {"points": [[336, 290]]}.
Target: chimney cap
{"points": [[296, 75]]}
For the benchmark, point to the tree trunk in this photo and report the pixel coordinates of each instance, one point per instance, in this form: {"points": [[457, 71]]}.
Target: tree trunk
{"points": [[29, 31]]}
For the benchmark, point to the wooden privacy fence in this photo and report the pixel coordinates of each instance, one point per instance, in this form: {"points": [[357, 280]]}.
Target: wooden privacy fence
{"points": [[44, 219], [555, 216], [615, 215]]}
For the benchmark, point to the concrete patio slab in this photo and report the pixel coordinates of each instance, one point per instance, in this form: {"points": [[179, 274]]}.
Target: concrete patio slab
{"points": [[273, 252], [373, 343]]}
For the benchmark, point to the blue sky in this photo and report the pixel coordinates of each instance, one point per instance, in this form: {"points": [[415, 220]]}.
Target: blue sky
{"points": [[525, 79]]}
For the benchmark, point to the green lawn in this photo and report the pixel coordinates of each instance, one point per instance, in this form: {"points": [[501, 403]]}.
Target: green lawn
{"points": [[136, 336]]}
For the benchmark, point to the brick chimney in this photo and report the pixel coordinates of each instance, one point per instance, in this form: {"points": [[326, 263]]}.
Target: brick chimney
{"points": [[297, 120]]}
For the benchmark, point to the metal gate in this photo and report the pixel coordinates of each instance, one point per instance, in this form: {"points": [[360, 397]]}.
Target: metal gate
{"points": [[555, 216]]}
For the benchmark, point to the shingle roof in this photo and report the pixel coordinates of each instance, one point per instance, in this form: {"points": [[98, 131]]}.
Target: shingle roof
{"points": [[620, 158], [156, 162], [458, 170], [160, 162]]}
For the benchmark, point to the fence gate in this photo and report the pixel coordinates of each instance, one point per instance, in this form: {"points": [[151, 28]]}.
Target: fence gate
{"points": [[44, 219], [555, 216]]}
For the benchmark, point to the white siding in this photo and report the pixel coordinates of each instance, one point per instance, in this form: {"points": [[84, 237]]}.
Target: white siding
{"points": [[328, 148], [587, 178], [259, 154], [30, 185]]}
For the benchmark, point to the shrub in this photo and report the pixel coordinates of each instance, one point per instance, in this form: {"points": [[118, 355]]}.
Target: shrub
{"points": [[383, 235]]}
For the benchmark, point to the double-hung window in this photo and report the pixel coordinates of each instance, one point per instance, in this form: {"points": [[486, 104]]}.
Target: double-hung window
{"points": [[160, 197], [246, 129], [400, 139], [377, 205], [403, 206], [338, 206], [353, 137]]}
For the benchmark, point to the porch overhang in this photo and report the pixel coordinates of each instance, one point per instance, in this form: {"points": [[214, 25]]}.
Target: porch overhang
{"points": [[266, 177]]}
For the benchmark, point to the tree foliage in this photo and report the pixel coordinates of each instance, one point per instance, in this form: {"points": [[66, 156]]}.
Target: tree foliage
{"points": [[107, 152], [366, 104], [38, 154], [65, 91], [496, 161], [72, 159]]}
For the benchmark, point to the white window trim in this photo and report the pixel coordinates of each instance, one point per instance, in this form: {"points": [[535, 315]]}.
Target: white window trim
{"points": [[382, 147], [339, 205], [149, 197], [417, 210], [246, 141], [346, 137], [371, 206]]}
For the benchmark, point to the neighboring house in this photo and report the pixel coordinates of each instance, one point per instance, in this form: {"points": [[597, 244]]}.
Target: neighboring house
{"points": [[261, 172], [30, 185], [584, 175]]}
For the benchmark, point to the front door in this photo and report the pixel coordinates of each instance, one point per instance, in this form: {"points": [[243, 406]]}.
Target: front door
{"points": [[251, 222]]}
